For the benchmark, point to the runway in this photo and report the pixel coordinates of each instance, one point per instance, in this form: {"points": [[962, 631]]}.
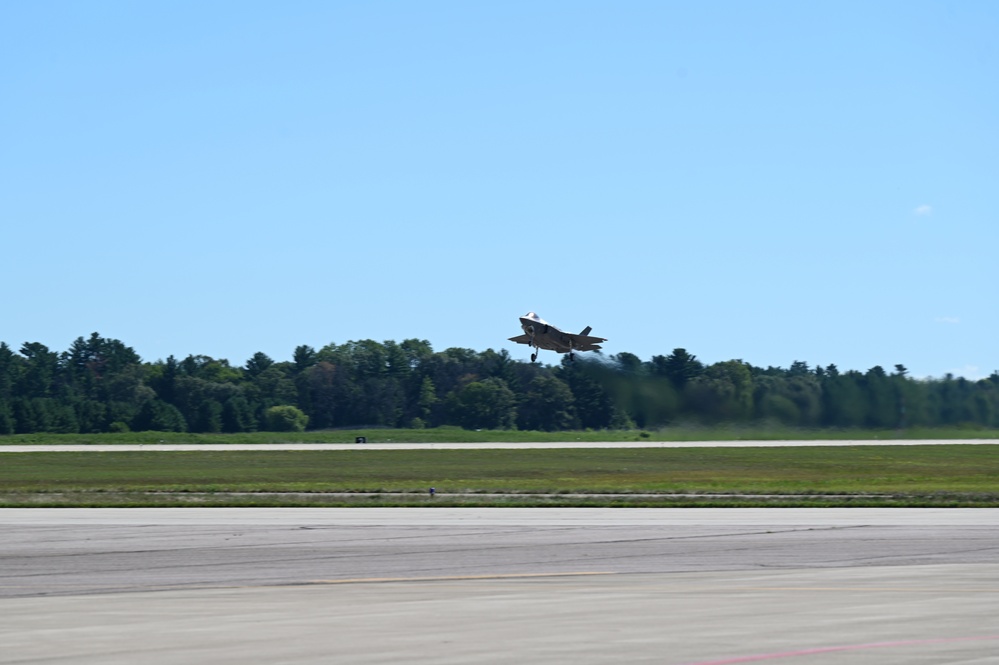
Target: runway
{"points": [[439, 585], [174, 447]]}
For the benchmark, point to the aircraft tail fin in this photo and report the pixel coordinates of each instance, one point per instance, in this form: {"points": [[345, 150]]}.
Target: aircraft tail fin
{"points": [[586, 330]]}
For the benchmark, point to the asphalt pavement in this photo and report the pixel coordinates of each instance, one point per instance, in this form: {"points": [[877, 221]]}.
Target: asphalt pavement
{"points": [[168, 447], [467, 585]]}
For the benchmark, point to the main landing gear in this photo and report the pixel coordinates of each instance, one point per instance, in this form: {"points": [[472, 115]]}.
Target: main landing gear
{"points": [[572, 356]]}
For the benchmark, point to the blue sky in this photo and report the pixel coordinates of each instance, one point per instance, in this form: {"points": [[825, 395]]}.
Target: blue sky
{"points": [[767, 181]]}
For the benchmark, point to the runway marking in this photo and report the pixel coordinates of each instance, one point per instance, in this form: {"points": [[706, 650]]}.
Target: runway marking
{"points": [[848, 647], [453, 578]]}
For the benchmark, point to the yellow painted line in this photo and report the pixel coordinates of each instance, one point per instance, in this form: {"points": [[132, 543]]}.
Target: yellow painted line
{"points": [[453, 578]]}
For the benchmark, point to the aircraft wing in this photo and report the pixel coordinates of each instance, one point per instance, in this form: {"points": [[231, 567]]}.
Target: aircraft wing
{"points": [[586, 342], [521, 339]]}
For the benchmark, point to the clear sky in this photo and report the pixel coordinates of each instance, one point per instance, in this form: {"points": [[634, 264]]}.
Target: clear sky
{"points": [[767, 181]]}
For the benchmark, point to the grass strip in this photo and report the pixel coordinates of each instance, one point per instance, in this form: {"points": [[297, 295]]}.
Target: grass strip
{"points": [[458, 435], [910, 475]]}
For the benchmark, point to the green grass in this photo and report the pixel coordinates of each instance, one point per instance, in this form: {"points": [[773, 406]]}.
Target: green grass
{"points": [[869, 475], [458, 435]]}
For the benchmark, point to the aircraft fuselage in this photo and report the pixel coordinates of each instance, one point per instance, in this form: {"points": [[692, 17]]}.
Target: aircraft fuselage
{"points": [[545, 335], [540, 334]]}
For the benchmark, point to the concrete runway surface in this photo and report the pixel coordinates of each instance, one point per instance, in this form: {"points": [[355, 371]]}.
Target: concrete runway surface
{"points": [[167, 447], [468, 585]]}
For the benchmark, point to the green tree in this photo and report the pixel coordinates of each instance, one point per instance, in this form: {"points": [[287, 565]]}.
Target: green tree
{"points": [[304, 358], [207, 368], [548, 406], [427, 399], [843, 400], [162, 378], [237, 415], [416, 351], [326, 393], [382, 402], [43, 414], [496, 364], [257, 364], [60, 416], [41, 368], [92, 416], [155, 415], [772, 401], [27, 418], [882, 401], [986, 403], [627, 362], [799, 368], [11, 366], [209, 417], [589, 380], [92, 364], [487, 404], [6, 418], [679, 367], [911, 398], [805, 391], [446, 371], [654, 402], [190, 393], [274, 385], [285, 418], [359, 359], [724, 393]]}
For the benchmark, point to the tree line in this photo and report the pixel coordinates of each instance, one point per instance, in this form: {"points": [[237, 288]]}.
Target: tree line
{"points": [[102, 385]]}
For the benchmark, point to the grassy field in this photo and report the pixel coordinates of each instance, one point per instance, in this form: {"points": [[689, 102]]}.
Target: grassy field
{"points": [[458, 435], [957, 475]]}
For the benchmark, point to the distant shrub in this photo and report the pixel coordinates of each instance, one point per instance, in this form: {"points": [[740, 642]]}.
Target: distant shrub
{"points": [[285, 418]]}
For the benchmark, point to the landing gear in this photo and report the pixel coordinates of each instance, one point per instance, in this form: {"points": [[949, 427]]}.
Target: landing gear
{"points": [[534, 356]]}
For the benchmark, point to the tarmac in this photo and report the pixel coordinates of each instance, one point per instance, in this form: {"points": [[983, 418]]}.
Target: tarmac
{"points": [[438, 585], [168, 447]]}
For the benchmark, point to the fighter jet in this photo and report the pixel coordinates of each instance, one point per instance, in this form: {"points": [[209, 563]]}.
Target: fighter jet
{"points": [[540, 334]]}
